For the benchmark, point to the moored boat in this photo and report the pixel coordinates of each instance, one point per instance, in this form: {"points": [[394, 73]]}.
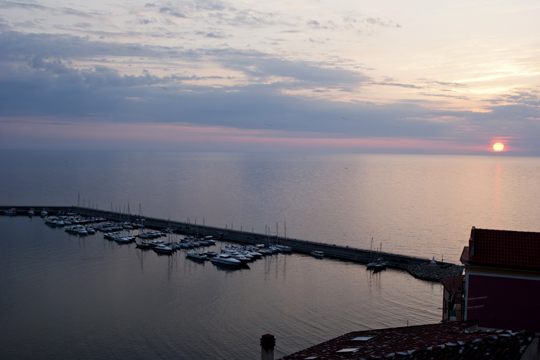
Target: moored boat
{"points": [[376, 265], [144, 245], [284, 248], [197, 255], [10, 212], [163, 249], [225, 259]]}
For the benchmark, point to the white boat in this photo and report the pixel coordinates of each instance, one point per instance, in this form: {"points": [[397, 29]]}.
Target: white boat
{"points": [[225, 259], [154, 243], [43, 213], [243, 259], [197, 255], [265, 251], [79, 229], [163, 249], [379, 265], [11, 212], [254, 254], [371, 265], [284, 248], [317, 254], [144, 245], [31, 212], [119, 235], [122, 240]]}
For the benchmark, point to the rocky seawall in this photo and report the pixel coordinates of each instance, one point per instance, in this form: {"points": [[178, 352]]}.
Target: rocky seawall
{"points": [[432, 272]]}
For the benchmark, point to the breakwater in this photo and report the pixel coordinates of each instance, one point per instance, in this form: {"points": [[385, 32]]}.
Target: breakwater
{"points": [[346, 253]]}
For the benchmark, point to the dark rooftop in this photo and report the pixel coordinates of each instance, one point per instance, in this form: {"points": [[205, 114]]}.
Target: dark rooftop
{"points": [[453, 284], [452, 340], [503, 248]]}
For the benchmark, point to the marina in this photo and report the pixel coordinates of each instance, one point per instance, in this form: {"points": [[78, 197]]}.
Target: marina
{"points": [[161, 227]]}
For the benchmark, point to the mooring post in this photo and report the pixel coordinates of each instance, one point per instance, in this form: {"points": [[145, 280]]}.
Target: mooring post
{"points": [[267, 347]]}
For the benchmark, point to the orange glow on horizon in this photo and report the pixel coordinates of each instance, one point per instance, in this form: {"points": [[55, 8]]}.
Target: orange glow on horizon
{"points": [[56, 133]]}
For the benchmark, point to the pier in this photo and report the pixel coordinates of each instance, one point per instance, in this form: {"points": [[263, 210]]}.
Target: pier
{"points": [[334, 251]]}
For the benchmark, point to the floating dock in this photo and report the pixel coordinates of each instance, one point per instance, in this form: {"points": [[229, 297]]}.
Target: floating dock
{"points": [[242, 237]]}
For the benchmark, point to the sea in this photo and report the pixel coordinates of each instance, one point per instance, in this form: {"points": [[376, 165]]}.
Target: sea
{"points": [[67, 296]]}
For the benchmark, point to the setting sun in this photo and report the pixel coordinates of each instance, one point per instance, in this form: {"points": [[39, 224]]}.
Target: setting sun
{"points": [[498, 146]]}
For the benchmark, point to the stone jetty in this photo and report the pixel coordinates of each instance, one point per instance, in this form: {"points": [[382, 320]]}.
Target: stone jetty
{"points": [[434, 271]]}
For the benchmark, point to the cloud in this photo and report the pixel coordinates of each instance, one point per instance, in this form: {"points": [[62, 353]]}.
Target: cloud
{"points": [[215, 35], [521, 97], [451, 84], [513, 113], [168, 10], [83, 25], [34, 6], [21, 5], [445, 95], [252, 63], [410, 86], [145, 21], [19, 45], [379, 22], [70, 11]]}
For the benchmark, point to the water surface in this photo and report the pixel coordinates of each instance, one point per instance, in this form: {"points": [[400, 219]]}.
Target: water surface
{"points": [[65, 296]]}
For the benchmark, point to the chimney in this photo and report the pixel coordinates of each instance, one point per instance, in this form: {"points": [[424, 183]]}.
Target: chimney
{"points": [[267, 347]]}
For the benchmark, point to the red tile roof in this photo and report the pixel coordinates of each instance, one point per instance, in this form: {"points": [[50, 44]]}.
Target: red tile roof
{"points": [[452, 340], [505, 247]]}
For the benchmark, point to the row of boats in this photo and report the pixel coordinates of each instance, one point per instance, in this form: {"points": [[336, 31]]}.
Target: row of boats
{"points": [[81, 225], [234, 256], [30, 212]]}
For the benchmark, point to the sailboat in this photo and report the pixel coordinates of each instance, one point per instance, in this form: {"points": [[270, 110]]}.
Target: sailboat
{"points": [[378, 264]]}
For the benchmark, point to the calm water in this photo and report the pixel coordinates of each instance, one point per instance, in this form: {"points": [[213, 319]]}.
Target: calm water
{"points": [[65, 296]]}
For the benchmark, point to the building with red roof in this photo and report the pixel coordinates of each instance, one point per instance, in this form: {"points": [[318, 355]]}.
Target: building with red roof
{"points": [[502, 279]]}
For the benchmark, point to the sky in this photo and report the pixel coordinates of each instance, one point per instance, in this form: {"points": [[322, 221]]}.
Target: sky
{"points": [[389, 76]]}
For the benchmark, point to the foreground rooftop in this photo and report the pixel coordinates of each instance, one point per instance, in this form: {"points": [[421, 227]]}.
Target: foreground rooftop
{"points": [[452, 340]]}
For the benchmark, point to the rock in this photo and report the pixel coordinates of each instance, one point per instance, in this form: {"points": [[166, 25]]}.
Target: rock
{"points": [[435, 273]]}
